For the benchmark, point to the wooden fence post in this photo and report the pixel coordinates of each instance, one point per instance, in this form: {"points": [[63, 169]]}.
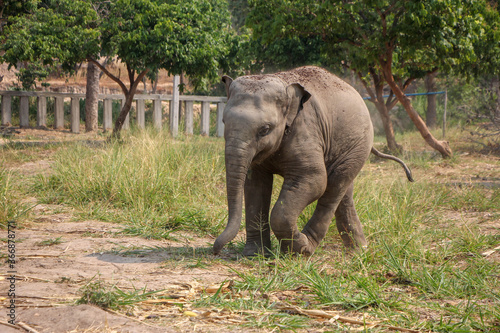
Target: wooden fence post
{"points": [[24, 112], [75, 115], [189, 117], [59, 112], [6, 109], [220, 124], [107, 119], [205, 118], [41, 112]]}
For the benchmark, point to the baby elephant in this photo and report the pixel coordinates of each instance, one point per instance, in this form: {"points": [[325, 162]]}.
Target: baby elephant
{"points": [[314, 130]]}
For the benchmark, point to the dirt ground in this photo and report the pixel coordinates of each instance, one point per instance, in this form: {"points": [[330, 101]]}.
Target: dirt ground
{"points": [[50, 277], [57, 255]]}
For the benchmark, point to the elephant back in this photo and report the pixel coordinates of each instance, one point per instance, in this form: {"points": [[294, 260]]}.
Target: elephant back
{"points": [[316, 80]]}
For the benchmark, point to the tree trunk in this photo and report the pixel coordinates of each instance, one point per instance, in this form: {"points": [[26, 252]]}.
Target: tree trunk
{"points": [[388, 128], [377, 98], [91, 97], [123, 114], [442, 146], [129, 98], [495, 85], [155, 82], [431, 114]]}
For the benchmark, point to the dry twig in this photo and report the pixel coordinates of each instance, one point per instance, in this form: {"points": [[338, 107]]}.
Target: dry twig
{"points": [[335, 317]]}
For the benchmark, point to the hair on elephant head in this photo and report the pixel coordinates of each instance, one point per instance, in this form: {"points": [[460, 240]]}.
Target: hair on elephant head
{"points": [[315, 131]]}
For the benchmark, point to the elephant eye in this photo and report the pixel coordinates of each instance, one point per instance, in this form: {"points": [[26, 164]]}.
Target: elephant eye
{"points": [[264, 130]]}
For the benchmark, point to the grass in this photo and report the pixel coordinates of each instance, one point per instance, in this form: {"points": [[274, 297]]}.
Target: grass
{"points": [[11, 206], [98, 292], [150, 182], [51, 241], [424, 268]]}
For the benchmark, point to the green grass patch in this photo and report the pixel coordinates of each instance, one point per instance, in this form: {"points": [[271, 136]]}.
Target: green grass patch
{"points": [[103, 295], [149, 182]]}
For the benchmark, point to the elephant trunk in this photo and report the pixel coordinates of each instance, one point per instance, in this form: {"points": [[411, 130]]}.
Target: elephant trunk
{"points": [[237, 164]]}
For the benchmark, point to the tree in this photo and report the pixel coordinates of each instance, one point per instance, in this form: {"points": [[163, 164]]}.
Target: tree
{"points": [[91, 94], [393, 41], [431, 113], [145, 35]]}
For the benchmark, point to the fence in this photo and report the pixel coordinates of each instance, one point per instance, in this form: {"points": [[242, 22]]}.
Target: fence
{"points": [[157, 114]]}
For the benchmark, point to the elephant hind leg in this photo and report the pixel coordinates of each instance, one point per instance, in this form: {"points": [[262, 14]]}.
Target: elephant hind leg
{"points": [[348, 223], [337, 201]]}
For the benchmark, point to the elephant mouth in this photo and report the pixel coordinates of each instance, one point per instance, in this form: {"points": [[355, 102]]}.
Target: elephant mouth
{"points": [[260, 157]]}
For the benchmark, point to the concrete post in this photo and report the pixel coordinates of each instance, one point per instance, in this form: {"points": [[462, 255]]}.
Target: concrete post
{"points": [[174, 108], [141, 119], [6, 110], [157, 113], [59, 113], [205, 118], [75, 115], [41, 113], [107, 119], [189, 117], [24, 112]]}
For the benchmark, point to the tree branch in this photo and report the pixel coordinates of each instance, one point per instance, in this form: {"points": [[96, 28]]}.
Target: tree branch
{"points": [[110, 75], [138, 80], [131, 74], [367, 88]]}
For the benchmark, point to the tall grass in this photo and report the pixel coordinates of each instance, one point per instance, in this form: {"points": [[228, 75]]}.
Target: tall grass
{"points": [[11, 206], [150, 182]]}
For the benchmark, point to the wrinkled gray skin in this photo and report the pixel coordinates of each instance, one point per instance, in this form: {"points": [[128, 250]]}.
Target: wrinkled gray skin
{"points": [[314, 130]]}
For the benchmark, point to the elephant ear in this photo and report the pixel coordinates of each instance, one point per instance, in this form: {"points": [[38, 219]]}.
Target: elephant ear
{"points": [[297, 96], [227, 81]]}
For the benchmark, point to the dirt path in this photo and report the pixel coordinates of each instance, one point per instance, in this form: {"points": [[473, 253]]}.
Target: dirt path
{"points": [[57, 256]]}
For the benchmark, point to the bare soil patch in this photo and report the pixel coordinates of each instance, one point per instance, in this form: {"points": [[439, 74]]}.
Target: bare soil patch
{"points": [[57, 256]]}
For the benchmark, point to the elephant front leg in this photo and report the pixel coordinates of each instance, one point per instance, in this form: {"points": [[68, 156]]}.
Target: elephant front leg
{"points": [[295, 195], [258, 190]]}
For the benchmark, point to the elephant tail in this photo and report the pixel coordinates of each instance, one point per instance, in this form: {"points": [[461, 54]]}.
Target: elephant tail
{"points": [[390, 157]]}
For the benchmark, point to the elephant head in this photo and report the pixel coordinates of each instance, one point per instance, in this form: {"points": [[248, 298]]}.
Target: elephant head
{"points": [[259, 111]]}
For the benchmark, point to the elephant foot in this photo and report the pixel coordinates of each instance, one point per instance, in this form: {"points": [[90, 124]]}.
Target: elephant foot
{"points": [[301, 245], [354, 241], [253, 249]]}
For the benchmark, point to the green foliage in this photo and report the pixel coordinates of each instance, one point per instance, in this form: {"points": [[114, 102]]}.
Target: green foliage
{"points": [[175, 35], [385, 41], [190, 37], [32, 73], [59, 31], [417, 36]]}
